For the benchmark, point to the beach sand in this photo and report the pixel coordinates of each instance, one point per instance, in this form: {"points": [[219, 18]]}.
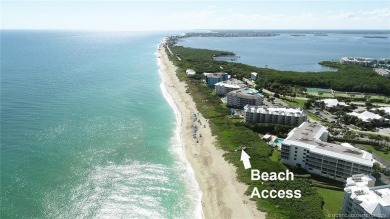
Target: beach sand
{"points": [[223, 196]]}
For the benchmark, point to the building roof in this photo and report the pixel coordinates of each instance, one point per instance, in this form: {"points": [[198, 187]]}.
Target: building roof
{"points": [[366, 116], [357, 59], [266, 136], [232, 83], [276, 111], [386, 109], [333, 102], [247, 93], [214, 75], [308, 135], [360, 180], [190, 72], [374, 200]]}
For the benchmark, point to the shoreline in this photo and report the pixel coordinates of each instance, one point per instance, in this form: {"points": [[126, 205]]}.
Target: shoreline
{"points": [[178, 144], [222, 196]]}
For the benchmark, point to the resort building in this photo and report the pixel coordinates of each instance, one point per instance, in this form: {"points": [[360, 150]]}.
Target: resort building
{"points": [[307, 147], [190, 72], [363, 200], [386, 109], [357, 61], [253, 76], [212, 78], [367, 116], [333, 103], [383, 72], [286, 116], [224, 87], [242, 97]]}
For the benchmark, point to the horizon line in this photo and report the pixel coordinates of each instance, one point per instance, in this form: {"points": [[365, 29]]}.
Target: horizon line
{"points": [[194, 29]]}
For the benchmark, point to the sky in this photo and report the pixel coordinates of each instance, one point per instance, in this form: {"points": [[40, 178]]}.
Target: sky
{"points": [[160, 15]]}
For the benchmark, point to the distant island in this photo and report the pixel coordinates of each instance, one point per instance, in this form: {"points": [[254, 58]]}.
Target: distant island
{"points": [[298, 35], [380, 37], [320, 34], [231, 34]]}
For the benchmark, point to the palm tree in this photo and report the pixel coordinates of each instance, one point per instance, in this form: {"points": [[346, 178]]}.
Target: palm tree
{"points": [[320, 93]]}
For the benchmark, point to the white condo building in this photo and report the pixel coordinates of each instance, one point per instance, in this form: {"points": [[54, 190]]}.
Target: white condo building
{"points": [[368, 116], [363, 200], [224, 87], [253, 76], [306, 147], [286, 116], [242, 97], [212, 78], [357, 61], [330, 103]]}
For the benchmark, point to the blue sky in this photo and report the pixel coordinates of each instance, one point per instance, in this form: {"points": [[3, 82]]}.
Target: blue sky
{"points": [[184, 15]]}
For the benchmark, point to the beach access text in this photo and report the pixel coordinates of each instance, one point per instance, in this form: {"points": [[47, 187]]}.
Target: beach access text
{"points": [[265, 176], [272, 176]]}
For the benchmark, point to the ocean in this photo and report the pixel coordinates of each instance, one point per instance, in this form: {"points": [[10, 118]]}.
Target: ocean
{"points": [[289, 52], [88, 130]]}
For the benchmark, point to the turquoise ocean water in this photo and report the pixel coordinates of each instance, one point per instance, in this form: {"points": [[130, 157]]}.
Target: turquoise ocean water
{"points": [[86, 131]]}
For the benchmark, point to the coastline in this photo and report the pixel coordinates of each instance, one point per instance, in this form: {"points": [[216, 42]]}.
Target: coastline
{"points": [[222, 195]]}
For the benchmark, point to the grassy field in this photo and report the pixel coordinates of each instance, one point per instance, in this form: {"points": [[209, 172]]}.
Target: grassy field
{"points": [[275, 155], [359, 95], [379, 153], [333, 200], [295, 103], [314, 92], [353, 96]]}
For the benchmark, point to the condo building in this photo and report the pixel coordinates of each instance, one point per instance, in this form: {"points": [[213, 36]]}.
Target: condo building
{"points": [[306, 147], [286, 116], [212, 78], [333, 103], [363, 200], [242, 97], [253, 76], [368, 116], [357, 61], [224, 87]]}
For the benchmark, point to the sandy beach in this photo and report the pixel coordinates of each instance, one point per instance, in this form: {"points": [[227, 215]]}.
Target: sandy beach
{"points": [[223, 196]]}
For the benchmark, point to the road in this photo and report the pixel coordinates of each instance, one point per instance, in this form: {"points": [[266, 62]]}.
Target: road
{"points": [[375, 104]]}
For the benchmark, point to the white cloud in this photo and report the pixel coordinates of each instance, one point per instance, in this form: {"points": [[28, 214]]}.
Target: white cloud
{"points": [[378, 13], [376, 18], [342, 15]]}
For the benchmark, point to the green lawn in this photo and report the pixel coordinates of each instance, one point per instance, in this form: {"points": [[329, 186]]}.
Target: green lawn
{"points": [[275, 155], [379, 153], [332, 198], [312, 116], [295, 103], [315, 92], [358, 95]]}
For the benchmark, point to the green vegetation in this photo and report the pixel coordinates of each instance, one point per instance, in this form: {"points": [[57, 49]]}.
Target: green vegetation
{"points": [[319, 92], [268, 128], [295, 102], [346, 78], [332, 200], [349, 119], [275, 156], [232, 134], [380, 151]]}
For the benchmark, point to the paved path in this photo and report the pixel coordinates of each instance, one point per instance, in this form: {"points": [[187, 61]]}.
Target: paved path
{"points": [[364, 103]]}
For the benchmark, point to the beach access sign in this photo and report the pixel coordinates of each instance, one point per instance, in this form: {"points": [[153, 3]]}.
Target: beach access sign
{"points": [[256, 175]]}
